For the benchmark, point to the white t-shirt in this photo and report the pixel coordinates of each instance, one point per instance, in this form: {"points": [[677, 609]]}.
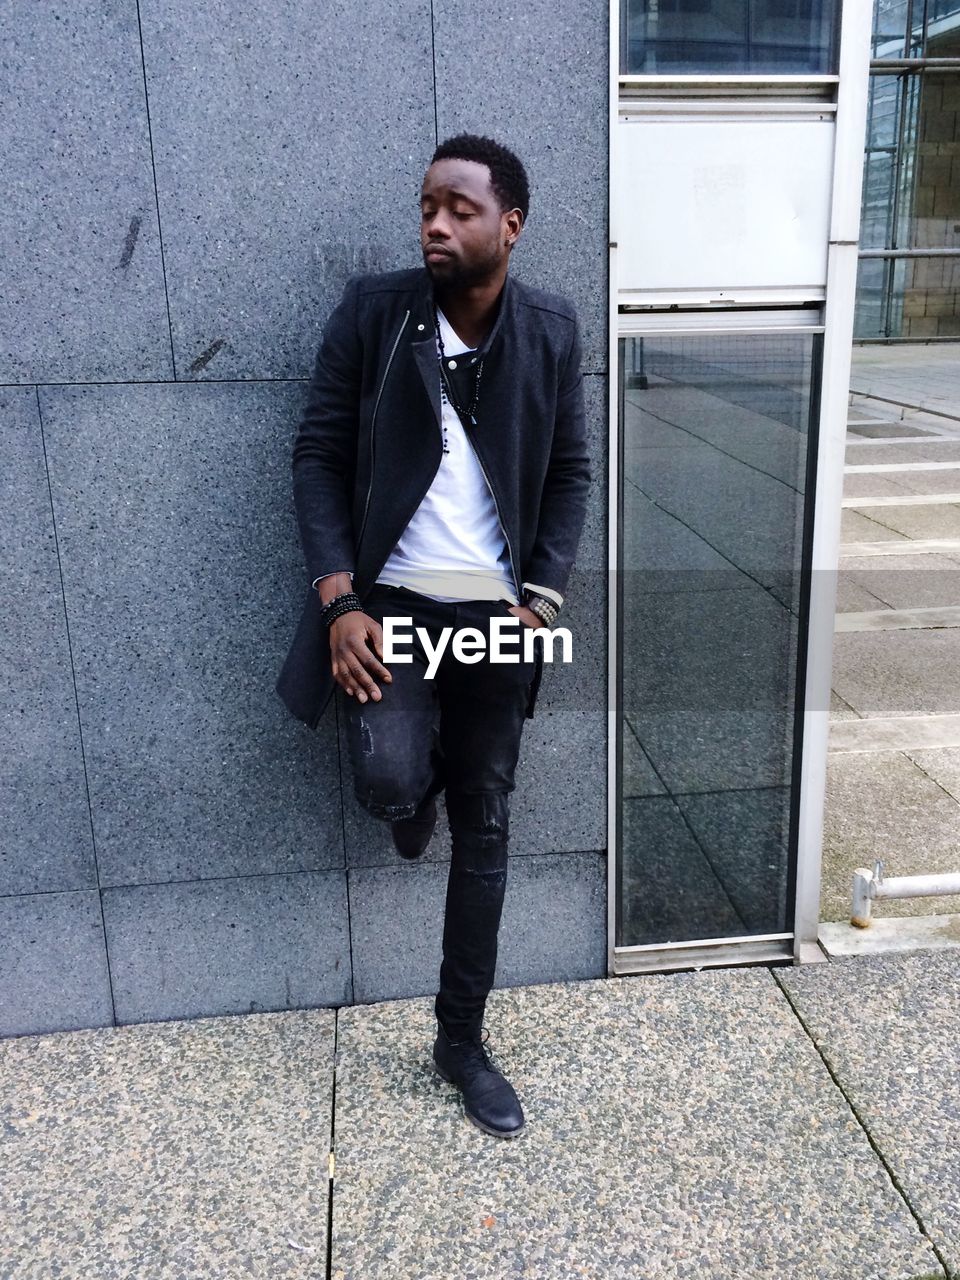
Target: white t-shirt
{"points": [[454, 547]]}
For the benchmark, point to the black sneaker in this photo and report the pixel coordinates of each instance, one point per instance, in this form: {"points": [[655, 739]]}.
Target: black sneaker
{"points": [[488, 1097], [412, 835]]}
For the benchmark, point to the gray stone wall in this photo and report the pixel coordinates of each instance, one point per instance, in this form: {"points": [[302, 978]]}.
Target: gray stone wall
{"points": [[188, 187]]}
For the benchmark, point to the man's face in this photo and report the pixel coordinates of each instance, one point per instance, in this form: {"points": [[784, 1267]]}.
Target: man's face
{"points": [[462, 228]]}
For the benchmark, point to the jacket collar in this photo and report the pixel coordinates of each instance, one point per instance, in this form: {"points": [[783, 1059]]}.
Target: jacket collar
{"points": [[424, 344], [424, 308]]}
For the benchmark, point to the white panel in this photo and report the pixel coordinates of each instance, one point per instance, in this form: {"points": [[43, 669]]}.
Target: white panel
{"points": [[705, 207]]}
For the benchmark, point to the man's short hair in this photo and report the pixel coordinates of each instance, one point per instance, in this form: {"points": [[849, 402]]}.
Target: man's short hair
{"points": [[508, 178]]}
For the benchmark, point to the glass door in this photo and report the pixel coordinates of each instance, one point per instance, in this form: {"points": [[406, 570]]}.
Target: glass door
{"points": [[716, 442]]}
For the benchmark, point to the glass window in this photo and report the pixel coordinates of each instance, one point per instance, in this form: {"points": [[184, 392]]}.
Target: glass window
{"points": [[728, 36], [715, 437], [911, 200]]}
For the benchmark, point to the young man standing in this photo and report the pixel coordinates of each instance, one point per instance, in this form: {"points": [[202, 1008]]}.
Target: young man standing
{"points": [[440, 474]]}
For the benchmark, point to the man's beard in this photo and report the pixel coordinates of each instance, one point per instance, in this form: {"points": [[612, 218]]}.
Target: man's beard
{"points": [[454, 275]]}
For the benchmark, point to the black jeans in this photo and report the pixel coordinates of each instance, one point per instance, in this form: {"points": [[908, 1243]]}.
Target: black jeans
{"points": [[461, 731]]}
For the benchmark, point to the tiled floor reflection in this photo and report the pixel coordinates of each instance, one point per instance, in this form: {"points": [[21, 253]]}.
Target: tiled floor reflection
{"points": [[712, 505]]}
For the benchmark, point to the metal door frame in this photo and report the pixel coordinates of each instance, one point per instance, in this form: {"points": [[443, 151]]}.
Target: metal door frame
{"points": [[850, 87]]}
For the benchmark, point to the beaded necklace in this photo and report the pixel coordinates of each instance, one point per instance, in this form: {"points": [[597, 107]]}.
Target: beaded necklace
{"points": [[447, 393]]}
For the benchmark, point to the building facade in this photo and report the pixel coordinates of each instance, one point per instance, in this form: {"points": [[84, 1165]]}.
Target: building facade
{"points": [[193, 187]]}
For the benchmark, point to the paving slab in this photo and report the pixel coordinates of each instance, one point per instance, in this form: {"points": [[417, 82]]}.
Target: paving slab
{"points": [[895, 733], [855, 526], [887, 1025], [168, 1150], [854, 595], [901, 582], [898, 673], [927, 482], [675, 413], [639, 775], [918, 933], [669, 892], [921, 451], [934, 617], [942, 764], [840, 710], [933, 520], [884, 430], [678, 1125], [882, 805], [871, 485], [925, 377], [715, 750]]}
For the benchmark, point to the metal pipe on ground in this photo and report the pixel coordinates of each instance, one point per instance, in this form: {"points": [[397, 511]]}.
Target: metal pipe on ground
{"points": [[869, 885]]}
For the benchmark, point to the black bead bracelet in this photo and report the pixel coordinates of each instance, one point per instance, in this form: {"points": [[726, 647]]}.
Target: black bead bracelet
{"points": [[339, 605]]}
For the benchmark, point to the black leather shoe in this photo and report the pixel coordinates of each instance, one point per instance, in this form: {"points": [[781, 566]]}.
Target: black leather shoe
{"points": [[412, 835], [488, 1097]]}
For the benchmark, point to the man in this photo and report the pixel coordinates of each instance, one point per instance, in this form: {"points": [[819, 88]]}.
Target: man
{"points": [[440, 474]]}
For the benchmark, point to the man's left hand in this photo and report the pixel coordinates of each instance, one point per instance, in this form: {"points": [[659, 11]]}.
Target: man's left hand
{"points": [[525, 615]]}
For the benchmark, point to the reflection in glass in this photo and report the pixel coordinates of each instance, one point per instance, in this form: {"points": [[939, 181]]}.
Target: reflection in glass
{"points": [[728, 36], [911, 200], [911, 176], [713, 465]]}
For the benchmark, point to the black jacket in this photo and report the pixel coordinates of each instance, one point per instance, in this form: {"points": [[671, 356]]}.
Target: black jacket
{"points": [[369, 445]]}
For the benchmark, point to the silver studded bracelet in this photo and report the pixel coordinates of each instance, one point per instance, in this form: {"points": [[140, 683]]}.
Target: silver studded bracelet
{"points": [[545, 610]]}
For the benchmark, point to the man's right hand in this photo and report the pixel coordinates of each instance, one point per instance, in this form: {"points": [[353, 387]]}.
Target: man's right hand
{"points": [[355, 664]]}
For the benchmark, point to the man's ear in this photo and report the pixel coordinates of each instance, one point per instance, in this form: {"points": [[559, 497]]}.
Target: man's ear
{"points": [[513, 225]]}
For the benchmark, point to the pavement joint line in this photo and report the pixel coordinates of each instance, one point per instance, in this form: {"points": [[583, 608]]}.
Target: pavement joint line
{"points": [[901, 1190], [331, 1159], [917, 439], [894, 733], [932, 618], [936, 781], [904, 404], [893, 547], [876, 468], [903, 500], [853, 423]]}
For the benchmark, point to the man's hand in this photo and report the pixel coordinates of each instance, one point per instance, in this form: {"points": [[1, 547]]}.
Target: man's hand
{"points": [[525, 615], [355, 664]]}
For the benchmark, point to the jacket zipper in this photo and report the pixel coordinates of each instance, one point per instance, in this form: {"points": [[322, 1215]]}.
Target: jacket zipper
{"points": [[373, 422], [506, 535]]}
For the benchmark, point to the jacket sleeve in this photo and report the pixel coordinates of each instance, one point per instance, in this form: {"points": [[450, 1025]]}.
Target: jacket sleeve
{"points": [[325, 448], [563, 506]]}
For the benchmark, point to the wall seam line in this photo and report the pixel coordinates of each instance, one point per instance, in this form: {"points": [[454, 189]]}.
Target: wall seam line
{"points": [[156, 194], [76, 703], [433, 62]]}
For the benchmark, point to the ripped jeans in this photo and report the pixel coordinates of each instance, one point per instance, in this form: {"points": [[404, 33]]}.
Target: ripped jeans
{"points": [[460, 731]]}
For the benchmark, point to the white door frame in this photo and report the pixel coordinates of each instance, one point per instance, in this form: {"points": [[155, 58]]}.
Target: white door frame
{"points": [[849, 93]]}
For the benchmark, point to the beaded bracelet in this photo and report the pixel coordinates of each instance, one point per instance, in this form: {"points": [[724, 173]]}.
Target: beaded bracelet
{"points": [[347, 602], [545, 609]]}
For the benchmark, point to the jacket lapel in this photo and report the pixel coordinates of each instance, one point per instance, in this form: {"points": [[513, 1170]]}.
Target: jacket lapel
{"points": [[424, 349]]}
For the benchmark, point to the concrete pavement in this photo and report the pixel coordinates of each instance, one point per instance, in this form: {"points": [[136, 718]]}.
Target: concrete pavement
{"points": [[893, 775], [736, 1124]]}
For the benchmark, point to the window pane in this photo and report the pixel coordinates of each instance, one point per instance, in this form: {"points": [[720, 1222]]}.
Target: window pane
{"points": [[911, 200], [728, 36], [713, 465], [890, 27]]}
